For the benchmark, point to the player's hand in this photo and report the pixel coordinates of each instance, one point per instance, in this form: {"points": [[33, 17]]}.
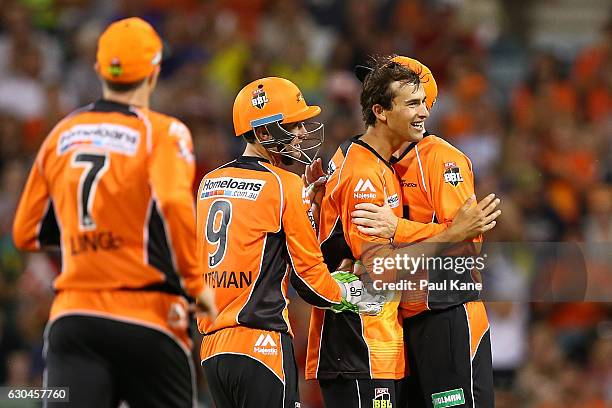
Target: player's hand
{"points": [[355, 297], [314, 179], [372, 219], [205, 304], [472, 220], [313, 172]]}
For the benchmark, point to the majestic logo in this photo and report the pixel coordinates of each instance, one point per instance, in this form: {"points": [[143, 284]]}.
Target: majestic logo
{"points": [[452, 174], [364, 190], [448, 398], [259, 97], [364, 186], [265, 345], [248, 189], [393, 201], [382, 398]]}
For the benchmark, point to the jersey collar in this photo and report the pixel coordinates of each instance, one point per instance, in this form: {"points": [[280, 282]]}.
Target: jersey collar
{"points": [[395, 159], [105, 105], [357, 140], [251, 159]]}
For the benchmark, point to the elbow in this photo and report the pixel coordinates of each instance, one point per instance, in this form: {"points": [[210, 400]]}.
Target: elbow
{"points": [[20, 239]]}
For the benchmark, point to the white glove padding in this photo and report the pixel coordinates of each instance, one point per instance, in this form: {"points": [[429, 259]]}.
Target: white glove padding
{"points": [[356, 295]]}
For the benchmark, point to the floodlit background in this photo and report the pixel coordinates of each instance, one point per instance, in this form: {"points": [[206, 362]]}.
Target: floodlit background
{"points": [[525, 91]]}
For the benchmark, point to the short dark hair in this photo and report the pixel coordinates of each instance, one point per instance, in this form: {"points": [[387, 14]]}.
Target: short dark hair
{"points": [[377, 85], [249, 136], [123, 86]]}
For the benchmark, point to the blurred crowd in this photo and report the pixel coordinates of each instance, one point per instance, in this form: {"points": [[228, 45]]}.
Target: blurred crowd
{"points": [[537, 125]]}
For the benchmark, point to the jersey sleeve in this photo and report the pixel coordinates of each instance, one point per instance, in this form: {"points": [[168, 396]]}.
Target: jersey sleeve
{"points": [[310, 277], [412, 231], [172, 169], [35, 226], [451, 180]]}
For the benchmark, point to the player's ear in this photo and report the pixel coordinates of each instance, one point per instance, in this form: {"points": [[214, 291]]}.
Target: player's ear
{"points": [[379, 112]]}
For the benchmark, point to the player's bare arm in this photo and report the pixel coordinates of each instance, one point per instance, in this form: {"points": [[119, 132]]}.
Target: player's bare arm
{"points": [[469, 222]]}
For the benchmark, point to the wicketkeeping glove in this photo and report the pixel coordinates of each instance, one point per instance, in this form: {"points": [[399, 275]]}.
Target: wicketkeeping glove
{"points": [[355, 298]]}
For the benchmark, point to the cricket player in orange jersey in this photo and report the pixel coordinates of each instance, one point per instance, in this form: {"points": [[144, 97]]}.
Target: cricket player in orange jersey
{"points": [[359, 360], [436, 178], [111, 187], [254, 238]]}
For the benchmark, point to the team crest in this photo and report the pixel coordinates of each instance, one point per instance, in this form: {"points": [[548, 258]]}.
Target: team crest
{"points": [[452, 175], [259, 97], [382, 398]]}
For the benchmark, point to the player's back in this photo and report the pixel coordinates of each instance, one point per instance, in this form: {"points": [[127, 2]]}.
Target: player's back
{"points": [[244, 249], [93, 192]]}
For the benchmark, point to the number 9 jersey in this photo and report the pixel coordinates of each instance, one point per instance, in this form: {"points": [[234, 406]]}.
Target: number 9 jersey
{"points": [[111, 187], [253, 229]]}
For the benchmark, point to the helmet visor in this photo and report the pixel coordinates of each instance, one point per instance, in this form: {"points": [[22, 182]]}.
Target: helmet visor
{"points": [[301, 144]]}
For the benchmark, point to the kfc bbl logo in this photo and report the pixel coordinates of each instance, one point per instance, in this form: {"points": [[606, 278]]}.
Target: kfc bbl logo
{"points": [[452, 174], [382, 398], [259, 97]]}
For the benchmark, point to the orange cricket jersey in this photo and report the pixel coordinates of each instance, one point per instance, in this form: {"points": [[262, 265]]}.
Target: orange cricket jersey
{"points": [[254, 237], [111, 186], [348, 345], [436, 179]]}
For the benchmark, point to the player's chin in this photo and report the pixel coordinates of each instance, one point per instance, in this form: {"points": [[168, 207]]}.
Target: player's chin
{"points": [[415, 135]]}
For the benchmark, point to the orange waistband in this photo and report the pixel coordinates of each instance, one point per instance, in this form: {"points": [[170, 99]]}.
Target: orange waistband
{"points": [[260, 345], [160, 311]]}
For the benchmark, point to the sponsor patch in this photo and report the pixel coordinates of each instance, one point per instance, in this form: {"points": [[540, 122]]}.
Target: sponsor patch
{"points": [[265, 345], [364, 190], [248, 189], [331, 168], [393, 201], [107, 136], [452, 175], [115, 68], [405, 183], [448, 398], [260, 98], [382, 398]]}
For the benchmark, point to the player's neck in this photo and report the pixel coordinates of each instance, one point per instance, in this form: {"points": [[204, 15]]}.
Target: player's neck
{"points": [[138, 97], [379, 140], [257, 150]]}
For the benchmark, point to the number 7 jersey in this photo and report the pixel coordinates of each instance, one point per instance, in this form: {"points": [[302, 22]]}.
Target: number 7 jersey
{"points": [[111, 186]]}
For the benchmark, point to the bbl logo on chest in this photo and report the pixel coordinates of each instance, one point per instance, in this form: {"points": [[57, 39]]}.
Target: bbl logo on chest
{"points": [[452, 174], [382, 398], [259, 97]]}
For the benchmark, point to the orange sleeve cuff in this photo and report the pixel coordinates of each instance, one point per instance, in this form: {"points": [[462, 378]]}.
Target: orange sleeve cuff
{"points": [[411, 231]]}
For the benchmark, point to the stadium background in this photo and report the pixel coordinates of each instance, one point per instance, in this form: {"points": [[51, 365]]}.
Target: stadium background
{"points": [[525, 91]]}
